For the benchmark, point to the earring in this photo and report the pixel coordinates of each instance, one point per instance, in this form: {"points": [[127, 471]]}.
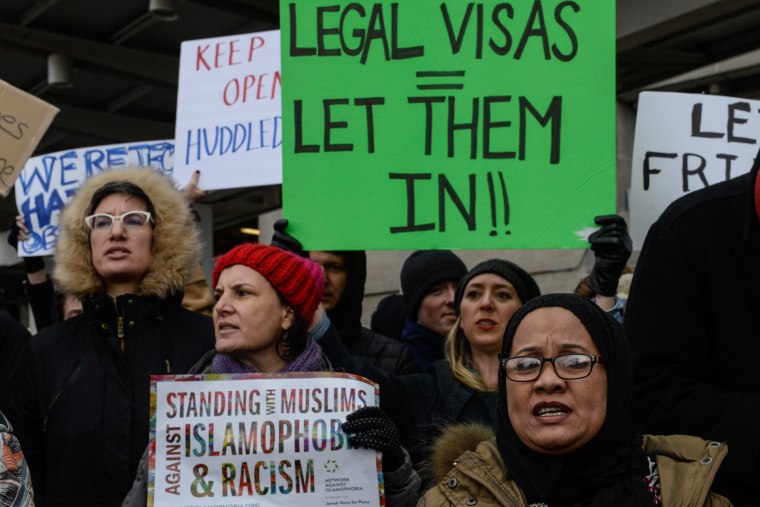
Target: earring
{"points": [[286, 346]]}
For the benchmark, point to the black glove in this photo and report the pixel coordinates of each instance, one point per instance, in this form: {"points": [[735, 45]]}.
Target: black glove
{"points": [[612, 247], [371, 428], [31, 264], [285, 241]]}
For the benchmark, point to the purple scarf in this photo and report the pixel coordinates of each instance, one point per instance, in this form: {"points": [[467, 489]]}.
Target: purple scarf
{"points": [[308, 360]]}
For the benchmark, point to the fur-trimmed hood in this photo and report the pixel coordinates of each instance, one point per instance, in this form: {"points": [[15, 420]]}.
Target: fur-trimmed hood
{"points": [[451, 443], [176, 243]]}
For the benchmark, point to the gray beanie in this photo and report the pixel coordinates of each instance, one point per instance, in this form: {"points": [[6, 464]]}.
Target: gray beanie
{"points": [[425, 268]]}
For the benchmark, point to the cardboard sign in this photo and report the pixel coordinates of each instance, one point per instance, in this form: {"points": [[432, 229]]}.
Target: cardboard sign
{"points": [[48, 181], [23, 120], [684, 142], [259, 439], [229, 122], [447, 124]]}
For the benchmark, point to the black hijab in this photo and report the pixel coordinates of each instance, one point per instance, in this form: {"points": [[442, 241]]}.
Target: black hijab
{"points": [[610, 468]]}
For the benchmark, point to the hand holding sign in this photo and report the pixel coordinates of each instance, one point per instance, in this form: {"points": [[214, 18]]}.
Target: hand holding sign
{"points": [[612, 247], [371, 428]]}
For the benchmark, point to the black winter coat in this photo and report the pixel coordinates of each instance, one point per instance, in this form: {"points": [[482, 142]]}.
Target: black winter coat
{"points": [[383, 352], [14, 339], [419, 403], [693, 318], [84, 449]]}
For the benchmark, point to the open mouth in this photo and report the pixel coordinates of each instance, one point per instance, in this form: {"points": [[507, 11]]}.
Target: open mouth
{"points": [[550, 410]]}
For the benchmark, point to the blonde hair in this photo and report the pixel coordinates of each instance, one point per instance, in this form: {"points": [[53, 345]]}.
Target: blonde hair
{"points": [[459, 355]]}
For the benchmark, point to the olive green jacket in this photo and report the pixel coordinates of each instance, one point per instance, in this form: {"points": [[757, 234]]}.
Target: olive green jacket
{"points": [[687, 467]]}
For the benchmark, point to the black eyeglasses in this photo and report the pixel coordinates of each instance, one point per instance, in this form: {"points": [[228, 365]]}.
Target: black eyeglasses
{"points": [[566, 366]]}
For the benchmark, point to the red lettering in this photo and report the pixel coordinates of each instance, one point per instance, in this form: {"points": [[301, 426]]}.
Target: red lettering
{"points": [[248, 82], [256, 43], [226, 95], [199, 58], [275, 84], [233, 50], [218, 54], [258, 90]]}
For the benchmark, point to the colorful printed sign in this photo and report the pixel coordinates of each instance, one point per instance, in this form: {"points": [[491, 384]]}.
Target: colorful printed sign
{"points": [[685, 142], [23, 120], [47, 183], [229, 122], [447, 124], [259, 440]]}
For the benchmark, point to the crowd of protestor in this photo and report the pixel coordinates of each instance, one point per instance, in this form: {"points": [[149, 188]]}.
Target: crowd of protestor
{"points": [[489, 391]]}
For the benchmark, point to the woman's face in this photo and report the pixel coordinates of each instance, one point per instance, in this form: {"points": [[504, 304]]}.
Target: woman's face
{"points": [[121, 255], [488, 302], [249, 318], [551, 415]]}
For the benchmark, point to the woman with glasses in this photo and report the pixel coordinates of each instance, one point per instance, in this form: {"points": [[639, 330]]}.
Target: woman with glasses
{"points": [[126, 247], [563, 432]]}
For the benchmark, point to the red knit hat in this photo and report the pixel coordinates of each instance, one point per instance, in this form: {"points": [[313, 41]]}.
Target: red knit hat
{"points": [[300, 281]]}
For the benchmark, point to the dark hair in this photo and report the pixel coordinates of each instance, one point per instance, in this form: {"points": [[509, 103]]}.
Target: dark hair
{"points": [[298, 332], [120, 187]]}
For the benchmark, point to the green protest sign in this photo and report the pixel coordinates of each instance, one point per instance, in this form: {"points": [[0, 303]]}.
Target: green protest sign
{"points": [[418, 124]]}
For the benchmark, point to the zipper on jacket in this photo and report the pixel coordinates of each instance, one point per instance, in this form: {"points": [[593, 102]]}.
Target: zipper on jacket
{"points": [[120, 331], [58, 395]]}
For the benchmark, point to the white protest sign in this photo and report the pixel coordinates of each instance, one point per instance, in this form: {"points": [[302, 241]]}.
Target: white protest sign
{"points": [[684, 142], [259, 440], [47, 183], [229, 111], [24, 119]]}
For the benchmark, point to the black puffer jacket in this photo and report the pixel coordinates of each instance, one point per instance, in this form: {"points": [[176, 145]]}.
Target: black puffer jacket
{"points": [[383, 352], [82, 408]]}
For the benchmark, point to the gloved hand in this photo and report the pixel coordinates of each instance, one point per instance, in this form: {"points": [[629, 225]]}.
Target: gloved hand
{"points": [[612, 247], [285, 241], [371, 428]]}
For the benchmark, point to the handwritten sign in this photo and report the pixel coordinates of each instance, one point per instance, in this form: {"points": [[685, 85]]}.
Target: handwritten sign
{"points": [[23, 120], [447, 124], [259, 439], [229, 121], [684, 142], [47, 183]]}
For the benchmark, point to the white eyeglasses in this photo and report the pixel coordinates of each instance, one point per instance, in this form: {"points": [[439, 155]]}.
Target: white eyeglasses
{"points": [[129, 220]]}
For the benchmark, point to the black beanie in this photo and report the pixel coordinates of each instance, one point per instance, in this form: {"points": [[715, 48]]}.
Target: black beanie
{"points": [[425, 268], [524, 284]]}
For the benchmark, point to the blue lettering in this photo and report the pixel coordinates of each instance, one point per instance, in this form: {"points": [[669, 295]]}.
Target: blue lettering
{"points": [[262, 131], [116, 156], [224, 139], [276, 136], [70, 166], [44, 178], [190, 144], [93, 159], [216, 141], [42, 210]]}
